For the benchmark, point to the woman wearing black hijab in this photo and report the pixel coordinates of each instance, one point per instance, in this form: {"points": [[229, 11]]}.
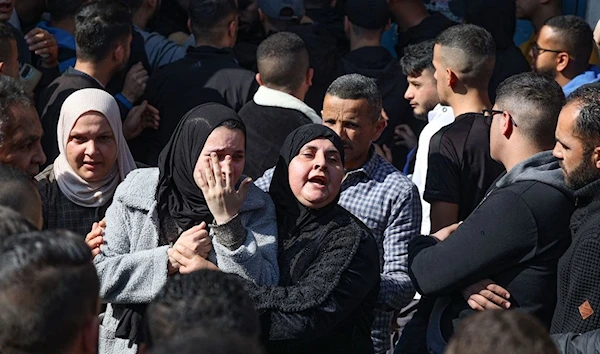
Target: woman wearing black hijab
{"points": [[329, 268], [157, 224]]}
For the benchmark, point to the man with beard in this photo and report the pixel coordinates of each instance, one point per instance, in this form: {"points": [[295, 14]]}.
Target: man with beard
{"points": [[578, 149], [103, 38], [562, 49]]}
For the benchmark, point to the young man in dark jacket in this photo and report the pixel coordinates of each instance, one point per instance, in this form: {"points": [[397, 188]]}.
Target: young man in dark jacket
{"points": [[277, 108], [208, 73], [521, 228]]}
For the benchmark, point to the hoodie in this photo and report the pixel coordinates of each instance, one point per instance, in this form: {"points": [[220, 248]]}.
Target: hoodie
{"points": [[590, 76], [515, 237], [378, 64]]}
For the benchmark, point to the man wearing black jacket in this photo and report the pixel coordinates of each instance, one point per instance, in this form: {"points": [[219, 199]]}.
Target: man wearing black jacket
{"points": [[208, 73], [277, 108], [521, 228], [577, 147]]}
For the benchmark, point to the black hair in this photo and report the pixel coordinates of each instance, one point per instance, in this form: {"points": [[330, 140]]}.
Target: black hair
{"points": [[473, 53], [233, 124], [7, 38], [535, 101], [13, 222], [418, 57], [99, 27], [512, 331], [12, 93], [498, 17], [283, 61], [48, 291], [17, 190], [587, 124], [356, 87], [574, 36], [212, 342], [61, 9], [204, 299], [210, 18]]}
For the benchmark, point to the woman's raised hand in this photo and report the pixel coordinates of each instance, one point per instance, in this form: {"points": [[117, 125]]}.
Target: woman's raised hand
{"points": [[218, 187]]}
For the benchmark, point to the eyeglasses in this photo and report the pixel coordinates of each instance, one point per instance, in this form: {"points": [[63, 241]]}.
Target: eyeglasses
{"points": [[488, 115], [537, 50]]}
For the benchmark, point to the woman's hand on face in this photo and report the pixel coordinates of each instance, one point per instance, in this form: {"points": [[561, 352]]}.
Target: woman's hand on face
{"points": [[188, 260], [218, 187], [196, 239], [94, 238]]}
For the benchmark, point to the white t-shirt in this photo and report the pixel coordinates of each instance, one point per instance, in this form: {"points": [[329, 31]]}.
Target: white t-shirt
{"points": [[438, 118]]}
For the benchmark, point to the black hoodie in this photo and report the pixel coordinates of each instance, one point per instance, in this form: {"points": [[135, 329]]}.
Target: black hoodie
{"points": [[378, 64]]}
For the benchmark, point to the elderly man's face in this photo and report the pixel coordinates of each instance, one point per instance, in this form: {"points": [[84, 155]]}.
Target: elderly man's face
{"points": [[352, 120], [22, 134]]}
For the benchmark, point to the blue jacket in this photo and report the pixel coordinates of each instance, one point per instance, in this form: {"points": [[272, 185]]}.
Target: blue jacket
{"points": [[592, 75]]}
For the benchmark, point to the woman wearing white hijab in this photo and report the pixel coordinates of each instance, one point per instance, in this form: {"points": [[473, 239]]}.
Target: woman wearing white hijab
{"points": [[94, 158]]}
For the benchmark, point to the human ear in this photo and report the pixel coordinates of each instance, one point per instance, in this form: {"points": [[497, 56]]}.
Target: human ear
{"points": [[562, 61], [258, 79], [596, 157]]}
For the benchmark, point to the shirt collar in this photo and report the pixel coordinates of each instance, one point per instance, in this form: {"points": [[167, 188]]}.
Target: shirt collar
{"points": [[369, 167]]}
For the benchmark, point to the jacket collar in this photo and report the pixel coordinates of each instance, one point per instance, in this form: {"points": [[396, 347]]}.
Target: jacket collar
{"points": [[208, 52], [588, 194]]}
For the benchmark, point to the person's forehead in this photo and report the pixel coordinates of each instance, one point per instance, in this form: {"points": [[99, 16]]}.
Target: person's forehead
{"points": [[24, 119], [345, 106]]}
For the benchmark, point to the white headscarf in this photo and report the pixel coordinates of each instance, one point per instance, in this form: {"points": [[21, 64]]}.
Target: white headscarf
{"points": [[75, 188]]}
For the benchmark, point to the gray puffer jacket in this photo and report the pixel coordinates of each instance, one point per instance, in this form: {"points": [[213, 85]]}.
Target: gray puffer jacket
{"points": [[133, 269]]}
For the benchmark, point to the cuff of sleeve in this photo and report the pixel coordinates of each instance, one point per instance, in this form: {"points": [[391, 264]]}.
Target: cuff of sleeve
{"points": [[231, 234], [124, 101]]}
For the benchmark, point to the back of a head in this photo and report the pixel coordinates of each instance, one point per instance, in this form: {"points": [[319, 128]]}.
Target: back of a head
{"points": [[12, 93], [48, 291], [587, 124], [470, 52], [282, 14], [535, 101], [368, 17], [497, 17], [211, 18], [573, 35], [99, 27], [211, 343], [7, 42], [18, 192], [418, 57], [13, 222], [506, 331], [356, 87], [63, 9], [283, 61], [204, 299]]}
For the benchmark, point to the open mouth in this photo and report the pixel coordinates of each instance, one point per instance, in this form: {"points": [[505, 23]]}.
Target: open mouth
{"points": [[320, 180], [6, 7]]}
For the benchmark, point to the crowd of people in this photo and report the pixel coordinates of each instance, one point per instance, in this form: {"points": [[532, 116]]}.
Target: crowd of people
{"points": [[272, 176]]}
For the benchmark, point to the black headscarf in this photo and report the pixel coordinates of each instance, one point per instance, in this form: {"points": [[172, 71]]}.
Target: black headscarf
{"points": [[291, 214], [177, 193]]}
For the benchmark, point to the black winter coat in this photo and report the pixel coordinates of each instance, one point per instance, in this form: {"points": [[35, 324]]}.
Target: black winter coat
{"points": [[329, 282], [266, 129]]}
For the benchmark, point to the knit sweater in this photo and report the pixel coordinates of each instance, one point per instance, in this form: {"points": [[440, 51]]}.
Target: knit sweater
{"points": [[578, 304], [132, 268]]}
